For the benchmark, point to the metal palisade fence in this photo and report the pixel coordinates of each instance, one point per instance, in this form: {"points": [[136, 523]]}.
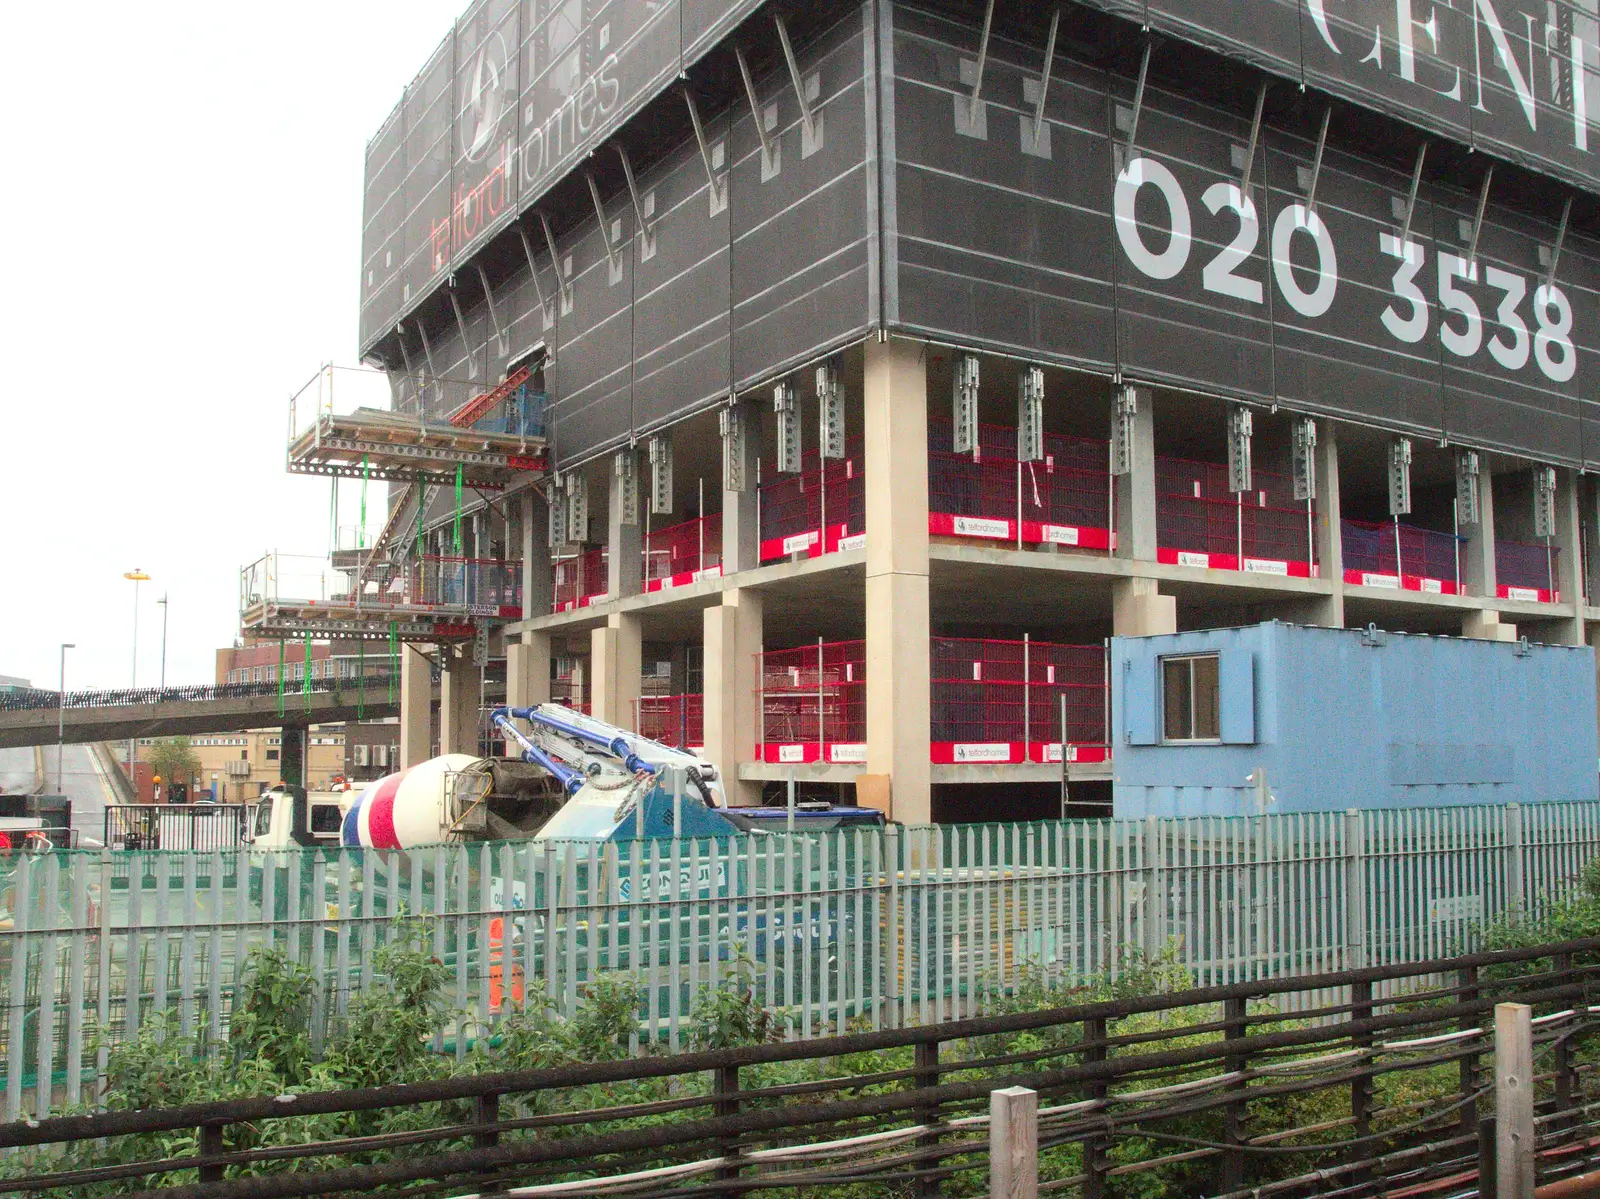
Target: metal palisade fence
{"points": [[851, 928]]}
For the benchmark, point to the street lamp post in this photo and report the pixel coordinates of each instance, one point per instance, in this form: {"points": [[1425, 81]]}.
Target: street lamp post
{"points": [[137, 576], [61, 713], [163, 602]]}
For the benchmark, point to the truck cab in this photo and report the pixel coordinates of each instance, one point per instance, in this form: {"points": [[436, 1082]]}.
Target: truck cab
{"points": [[287, 817]]}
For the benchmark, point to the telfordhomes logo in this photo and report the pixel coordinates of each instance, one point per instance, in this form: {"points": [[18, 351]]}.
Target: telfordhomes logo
{"points": [[488, 96]]}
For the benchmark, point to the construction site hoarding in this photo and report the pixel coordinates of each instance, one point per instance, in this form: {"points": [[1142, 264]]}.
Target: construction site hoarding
{"points": [[515, 96], [1130, 248]]}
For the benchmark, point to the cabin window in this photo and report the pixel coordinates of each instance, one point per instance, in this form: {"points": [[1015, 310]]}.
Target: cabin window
{"points": [[1190, 698]]}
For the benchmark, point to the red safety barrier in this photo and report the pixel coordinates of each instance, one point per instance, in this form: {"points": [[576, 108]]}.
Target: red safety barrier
{"points": [[1065, 499], [1017, 701], [682, 554], [673, 720], [1199, 522], [1527, 570], [821, 510], [813, 703], [579, 581], [1400, 556]]}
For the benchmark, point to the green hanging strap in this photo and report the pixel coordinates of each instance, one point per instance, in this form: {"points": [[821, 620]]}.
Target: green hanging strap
{"points": [[361, 670], [333, 515], [394, 658], [280, 677], [458, 512], [365, 470], [305, 682]]}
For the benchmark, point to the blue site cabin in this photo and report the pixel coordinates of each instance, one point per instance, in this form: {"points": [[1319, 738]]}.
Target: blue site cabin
{"points": [[1284, 718]]}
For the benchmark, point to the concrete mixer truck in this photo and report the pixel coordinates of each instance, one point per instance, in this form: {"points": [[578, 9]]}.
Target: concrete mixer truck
{"points": [[575, 779]]}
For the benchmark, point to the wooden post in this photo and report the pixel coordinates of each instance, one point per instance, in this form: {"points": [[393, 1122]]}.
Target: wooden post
{"points": [[725, 1102], [210, 1146], [487, 1137], [1096, 1144], [1233, 1115], [1513, 1100], [1467, 992], [1563, 1047], [1014, 1144], [927, 1075], [1361, 1088]]}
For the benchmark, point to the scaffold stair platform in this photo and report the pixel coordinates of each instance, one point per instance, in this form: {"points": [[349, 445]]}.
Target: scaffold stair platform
{"points": [[372, 443]]}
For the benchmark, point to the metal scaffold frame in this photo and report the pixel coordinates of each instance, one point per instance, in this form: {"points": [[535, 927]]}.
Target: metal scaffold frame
{"points": [[400, 447]]}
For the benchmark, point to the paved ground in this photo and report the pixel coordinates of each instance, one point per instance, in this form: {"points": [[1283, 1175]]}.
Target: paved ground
{"points": [[79, 780]]}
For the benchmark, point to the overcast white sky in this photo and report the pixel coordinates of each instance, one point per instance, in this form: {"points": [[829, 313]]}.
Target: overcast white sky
{"points": [[182, 237]]}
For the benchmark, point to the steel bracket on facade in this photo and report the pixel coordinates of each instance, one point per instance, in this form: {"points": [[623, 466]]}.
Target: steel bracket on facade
{"points": [[533, 269], [1477, 221], [1255, 142], [1030, 414], [718, 185], [1411, 197], [788, 414], [461, 326], [1467, 469], [660, 453], [625, 465], [770, 163], [964, 406], [605, 229], [1138, 100], [1044, 74], [983, 56], [730, 423], [1399, 476], [562, 281], [807, 117], [1305, 458], [1241, 427], [1544, 501], [405, 356], [427, 350], [1316, 161], [494, 316], [1122, 431], [647, 237], [1561, 238], [830, 411]]}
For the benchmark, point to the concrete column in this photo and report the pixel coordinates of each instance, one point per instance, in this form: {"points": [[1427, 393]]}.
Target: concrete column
{"points": [[741, 526], [733, 638], [292, 756], [1136, 490], [416, 707], [1138, 609], [898, 620], [1487, 626], [1589, 521], [615, 659], [1569, 563], [528, 671], [533, 538], [1327, 533], [624, 539], [460, 700], [1478, 553]]}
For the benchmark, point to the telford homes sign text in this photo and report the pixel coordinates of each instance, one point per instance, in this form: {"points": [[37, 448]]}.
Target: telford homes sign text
{"points": [[1509, 76]]}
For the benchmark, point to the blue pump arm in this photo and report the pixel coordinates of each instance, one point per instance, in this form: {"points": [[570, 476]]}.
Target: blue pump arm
{"points": [[571, 780], [617, 746]]}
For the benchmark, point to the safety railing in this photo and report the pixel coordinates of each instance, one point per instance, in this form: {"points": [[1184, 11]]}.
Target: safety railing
{"points": [[35, 699], [1008, 702], [820, 510], [416, 398], [1527, 570], [200, 826], [579, 581], [675, 720], [1199, 522], [813, 703], [1401, 556], [684, 553], [470, 586], [1062, 499]]}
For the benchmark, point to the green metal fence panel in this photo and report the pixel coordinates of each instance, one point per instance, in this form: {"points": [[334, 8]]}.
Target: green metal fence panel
{"points": [[846, 929]]}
